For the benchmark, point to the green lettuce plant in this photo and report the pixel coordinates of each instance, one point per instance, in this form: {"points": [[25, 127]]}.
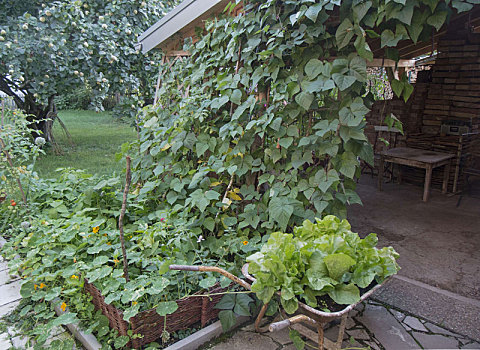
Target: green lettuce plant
{"points": [[324, 258]]}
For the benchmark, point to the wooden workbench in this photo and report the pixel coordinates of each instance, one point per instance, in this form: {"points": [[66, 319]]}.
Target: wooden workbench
{"points": [[418, 158]]}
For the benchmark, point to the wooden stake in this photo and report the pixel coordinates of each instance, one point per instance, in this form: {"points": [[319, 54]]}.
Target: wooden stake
{"points": [[159, 80], [120, 219]]}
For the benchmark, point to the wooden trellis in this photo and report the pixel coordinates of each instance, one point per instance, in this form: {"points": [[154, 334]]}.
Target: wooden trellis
{"points": [[170, 59]]}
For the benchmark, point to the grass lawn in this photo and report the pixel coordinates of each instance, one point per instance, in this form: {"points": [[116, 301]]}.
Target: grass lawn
{"points": [[97, 137]]}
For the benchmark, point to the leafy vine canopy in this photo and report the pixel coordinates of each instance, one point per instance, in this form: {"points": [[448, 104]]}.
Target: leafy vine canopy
{"points": [[262, 126]]}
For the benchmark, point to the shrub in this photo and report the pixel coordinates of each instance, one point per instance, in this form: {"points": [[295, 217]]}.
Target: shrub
{"points": [[80, 98]]}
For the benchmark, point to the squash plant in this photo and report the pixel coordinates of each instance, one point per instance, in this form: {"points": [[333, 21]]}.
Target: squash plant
{"points": [[319, 259], [263, 126], [71, 234]]}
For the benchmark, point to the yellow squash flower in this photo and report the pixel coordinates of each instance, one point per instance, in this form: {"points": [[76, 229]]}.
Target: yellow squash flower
{"points": [[63, 307], [96, 229]]}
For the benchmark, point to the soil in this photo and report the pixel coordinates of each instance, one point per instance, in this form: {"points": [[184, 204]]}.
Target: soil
{"points": [[333, 306]]}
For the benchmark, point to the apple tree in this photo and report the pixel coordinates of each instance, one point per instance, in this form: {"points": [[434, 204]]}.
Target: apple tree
{"points": [[56, 46]]}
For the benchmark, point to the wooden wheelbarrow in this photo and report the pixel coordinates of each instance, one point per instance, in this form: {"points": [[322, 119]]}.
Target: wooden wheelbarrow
{"points": [[306, 314]]}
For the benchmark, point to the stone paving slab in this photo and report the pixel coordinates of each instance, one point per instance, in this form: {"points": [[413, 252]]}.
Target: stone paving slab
{"points": [[5, 341], [7, 308], [9, 293], [414, 323], [436, 341], [460, 316], [473, 346], [19, 342], [281, 338], [247, 341], [5, 277], [386, 328]]}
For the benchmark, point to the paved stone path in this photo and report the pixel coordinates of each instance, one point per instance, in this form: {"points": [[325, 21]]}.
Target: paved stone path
{"points": [[371, 325], [9, 299]]}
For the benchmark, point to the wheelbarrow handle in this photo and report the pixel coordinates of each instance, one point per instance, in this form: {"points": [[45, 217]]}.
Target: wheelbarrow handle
{"points": [[274, 327], [212, 269], [184, 267], [289, 321]]}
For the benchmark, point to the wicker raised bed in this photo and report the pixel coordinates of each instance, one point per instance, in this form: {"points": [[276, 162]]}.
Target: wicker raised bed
{"points": [[150, 324]]}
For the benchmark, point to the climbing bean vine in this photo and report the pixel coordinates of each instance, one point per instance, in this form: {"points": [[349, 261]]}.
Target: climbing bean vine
{"points": [[262, 126]]}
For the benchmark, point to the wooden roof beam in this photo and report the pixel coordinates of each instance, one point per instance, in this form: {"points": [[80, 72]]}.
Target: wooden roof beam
{"points": [[380, 62]]}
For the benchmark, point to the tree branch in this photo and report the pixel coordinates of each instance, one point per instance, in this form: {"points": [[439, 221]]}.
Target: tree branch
{"points": [[6, 89]]}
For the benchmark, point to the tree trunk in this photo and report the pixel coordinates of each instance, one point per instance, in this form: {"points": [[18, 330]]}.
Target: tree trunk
{"points": [[42, 117]]}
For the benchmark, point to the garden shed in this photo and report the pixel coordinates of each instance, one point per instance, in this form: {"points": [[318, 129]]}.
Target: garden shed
{"points": [[442, 114]]}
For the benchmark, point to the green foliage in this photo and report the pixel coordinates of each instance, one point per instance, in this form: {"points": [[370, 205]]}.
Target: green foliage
{"points": [[294, 335], [16, 145], [12, 8], [402, 87], [80, 98], [72, 235], [379, 87], [233, 304], [59, 46], [260, 130], [216, 150], [320, 259]]}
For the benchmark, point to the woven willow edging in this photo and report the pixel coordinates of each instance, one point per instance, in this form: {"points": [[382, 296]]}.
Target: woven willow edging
{"points": [[150, 324]]}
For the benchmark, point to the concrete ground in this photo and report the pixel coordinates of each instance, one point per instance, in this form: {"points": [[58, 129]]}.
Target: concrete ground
{"points": [[439, 247], [438, 243]]}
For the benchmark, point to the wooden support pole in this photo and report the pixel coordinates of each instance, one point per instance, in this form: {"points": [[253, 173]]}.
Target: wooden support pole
{"points": [[128, 180]]}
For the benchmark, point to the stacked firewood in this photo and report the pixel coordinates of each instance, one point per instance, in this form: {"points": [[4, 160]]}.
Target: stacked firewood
{"points": [[454, 92]]}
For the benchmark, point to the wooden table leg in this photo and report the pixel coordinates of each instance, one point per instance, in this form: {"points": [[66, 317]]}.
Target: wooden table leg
{"points": [[380, 173], [428, 180], [446, 176]]}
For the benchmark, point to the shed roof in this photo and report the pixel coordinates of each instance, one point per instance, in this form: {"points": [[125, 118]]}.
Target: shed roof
{"points": [[183, 18], [180, 23]]}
